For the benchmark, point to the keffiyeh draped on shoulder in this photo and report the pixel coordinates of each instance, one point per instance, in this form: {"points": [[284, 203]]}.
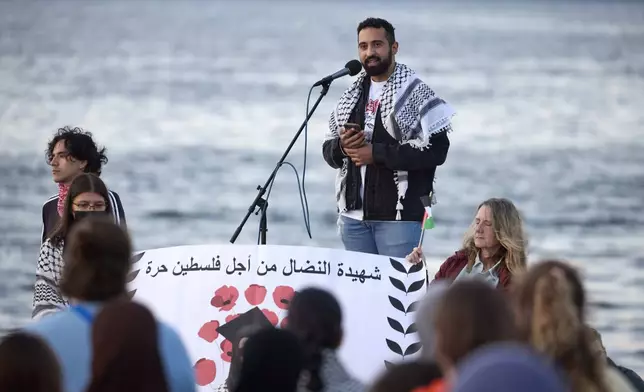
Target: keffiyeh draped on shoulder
{"points": [[47, 296], [334, 376], [411, 113]]}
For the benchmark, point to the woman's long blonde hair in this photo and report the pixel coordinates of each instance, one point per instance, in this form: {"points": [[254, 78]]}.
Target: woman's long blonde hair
{"points": [[508, 228], [550, 307]]}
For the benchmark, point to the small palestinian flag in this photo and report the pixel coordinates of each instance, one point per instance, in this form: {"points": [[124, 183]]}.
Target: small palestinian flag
{"points": [[428, 219]]}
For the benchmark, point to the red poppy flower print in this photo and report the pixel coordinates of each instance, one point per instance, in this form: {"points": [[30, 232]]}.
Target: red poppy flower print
{"points": [[282, 296], [227, 350], [225, 298], [231, 317], [272, 317], [255, 294], [208, 331], [205, 371], [284, 323]]}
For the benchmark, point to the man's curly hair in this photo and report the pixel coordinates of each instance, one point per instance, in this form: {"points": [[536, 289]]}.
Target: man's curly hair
{"points": [[80, 146]]}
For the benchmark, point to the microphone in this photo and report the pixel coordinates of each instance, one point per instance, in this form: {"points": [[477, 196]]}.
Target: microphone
{"points": [[352, 68]]}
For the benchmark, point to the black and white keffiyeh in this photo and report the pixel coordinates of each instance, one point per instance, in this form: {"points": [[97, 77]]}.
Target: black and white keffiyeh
{"points": [[411, 113], [47, 296], [334, 376]]}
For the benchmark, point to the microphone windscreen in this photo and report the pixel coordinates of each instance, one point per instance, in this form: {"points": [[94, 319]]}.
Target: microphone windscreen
{"points": [[354, 67]]}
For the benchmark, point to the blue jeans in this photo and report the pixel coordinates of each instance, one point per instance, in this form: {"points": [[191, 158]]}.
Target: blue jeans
{"points": [[387, 238]]}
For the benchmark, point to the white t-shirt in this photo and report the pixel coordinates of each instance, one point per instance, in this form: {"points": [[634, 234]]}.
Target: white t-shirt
{"points": [[375, 92]]}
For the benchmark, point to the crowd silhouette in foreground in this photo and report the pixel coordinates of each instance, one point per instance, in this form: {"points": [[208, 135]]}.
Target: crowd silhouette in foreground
{"points": [[524, 332], [489, 321]]}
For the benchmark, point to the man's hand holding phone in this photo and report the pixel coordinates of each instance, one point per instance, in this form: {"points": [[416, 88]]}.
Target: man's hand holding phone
{"points": [[351, 136], [353, 145]]}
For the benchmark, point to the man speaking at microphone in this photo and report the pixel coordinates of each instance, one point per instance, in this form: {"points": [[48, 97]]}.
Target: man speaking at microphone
{"points": [[387, 135]]}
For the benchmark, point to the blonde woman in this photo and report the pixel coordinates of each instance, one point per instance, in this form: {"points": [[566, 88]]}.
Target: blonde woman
{"points": [[494, 247], [550, 311]]}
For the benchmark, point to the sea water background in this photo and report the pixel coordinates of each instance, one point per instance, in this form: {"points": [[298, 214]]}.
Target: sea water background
{"points": [[196, 100]]}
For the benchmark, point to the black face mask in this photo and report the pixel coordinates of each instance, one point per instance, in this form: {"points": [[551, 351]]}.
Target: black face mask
{"points": [[79, 215]]}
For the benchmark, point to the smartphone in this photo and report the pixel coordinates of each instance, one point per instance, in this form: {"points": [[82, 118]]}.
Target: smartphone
{"points": [[352, 127]]}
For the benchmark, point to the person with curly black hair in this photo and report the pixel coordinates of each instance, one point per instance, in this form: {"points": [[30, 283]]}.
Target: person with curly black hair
{"points": [[70, 152]]}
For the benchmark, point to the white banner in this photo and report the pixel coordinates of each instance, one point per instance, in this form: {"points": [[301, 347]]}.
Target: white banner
{"points": [[198, 289]]}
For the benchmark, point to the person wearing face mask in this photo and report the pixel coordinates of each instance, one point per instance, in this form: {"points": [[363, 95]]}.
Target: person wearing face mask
{"points": [[71, 152], [386, 138], [95, 282], [87, 196], [494, 247]]}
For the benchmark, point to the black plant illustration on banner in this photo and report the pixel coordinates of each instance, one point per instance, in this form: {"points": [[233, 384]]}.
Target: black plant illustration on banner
{"points": [[132, 275], [405, 309]]}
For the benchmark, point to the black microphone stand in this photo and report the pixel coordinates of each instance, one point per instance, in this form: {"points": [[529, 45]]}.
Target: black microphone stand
{"points": [[259, 199]]}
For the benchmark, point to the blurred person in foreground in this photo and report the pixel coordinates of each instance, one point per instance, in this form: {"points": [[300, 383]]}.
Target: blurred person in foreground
{"points": [[28, 364], [550, 309], [494, 247], [71, 152], [315, 317], [408, 377], [387, 135], [97, 261], [635, 380], [470, 315], [425, 315], [125, 350], [273, 360], [507, 367], [238, 331], [87, 196]]}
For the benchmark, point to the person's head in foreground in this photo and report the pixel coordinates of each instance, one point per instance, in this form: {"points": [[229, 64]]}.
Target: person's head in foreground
{"points": [[470, 315], [617, 378], [273, 361], [425, 319], [97, 261], [407, 377], [238, 341], [550, 308], [315, 317], [125, 350], [28, 364], [71, 152], [507, 367], [87, 196]]}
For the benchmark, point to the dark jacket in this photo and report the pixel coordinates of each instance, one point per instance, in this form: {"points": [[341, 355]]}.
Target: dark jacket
{"points": [[633, 378], [50, 215], [380, 193], [454, 264]]}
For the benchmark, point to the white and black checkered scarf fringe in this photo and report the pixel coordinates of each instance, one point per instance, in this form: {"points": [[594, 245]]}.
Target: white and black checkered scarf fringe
{"points": [[47, 296], [406, 103]]}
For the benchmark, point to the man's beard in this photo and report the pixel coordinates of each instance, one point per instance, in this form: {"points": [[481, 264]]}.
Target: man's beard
{"points": [[380, 68]]}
